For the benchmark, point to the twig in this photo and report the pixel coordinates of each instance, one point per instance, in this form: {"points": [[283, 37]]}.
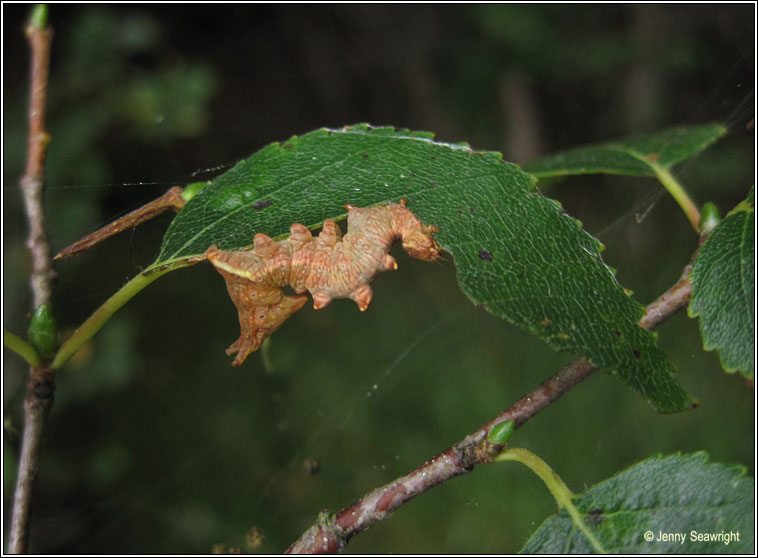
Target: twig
{"points": [[331, 532], [40, 385], [33, 182], [37, 404], [171, 200]]}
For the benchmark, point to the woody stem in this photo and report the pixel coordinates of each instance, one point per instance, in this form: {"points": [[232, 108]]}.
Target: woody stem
{"points": [[40, 386]]}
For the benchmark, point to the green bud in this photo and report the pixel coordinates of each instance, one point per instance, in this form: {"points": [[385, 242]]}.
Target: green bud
{"points": [[709, 218], [191, 189], [500, 433], [39, 16], [43, 331]]}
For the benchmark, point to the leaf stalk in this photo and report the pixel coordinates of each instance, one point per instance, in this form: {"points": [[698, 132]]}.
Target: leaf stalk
{"points": [[92, 325], [555, 484], [679, 194], [21, 348]]}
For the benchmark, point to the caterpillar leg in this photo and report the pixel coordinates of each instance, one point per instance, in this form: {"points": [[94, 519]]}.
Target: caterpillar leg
{"points": [[362, 295], [390, 263], [321, 299]]}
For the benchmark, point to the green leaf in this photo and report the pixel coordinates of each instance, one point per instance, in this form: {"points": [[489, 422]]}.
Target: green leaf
{"points": [[516, 253], [306, 180], [723, 289], [708, 505], [635, 157]]}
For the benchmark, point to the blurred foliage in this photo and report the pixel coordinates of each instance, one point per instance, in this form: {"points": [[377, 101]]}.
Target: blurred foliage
{"points": [[156, 444]]}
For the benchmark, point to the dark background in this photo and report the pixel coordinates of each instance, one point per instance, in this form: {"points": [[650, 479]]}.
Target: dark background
{"points": [[156, 444]]}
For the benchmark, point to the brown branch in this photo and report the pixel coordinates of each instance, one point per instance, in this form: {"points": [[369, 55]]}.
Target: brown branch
{"points": [[40, 385], [171, 200], [331, 532], [33, 182], [37, 405]]}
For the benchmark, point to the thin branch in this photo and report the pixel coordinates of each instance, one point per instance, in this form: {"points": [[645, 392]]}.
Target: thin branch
{"points": [[33, 182], [40, 385], [331, 532], [171, 200], [37, 405]]}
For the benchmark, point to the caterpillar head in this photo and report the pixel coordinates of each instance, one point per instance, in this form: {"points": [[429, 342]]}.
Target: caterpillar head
{"points": [[416, 237], [420, 244]]}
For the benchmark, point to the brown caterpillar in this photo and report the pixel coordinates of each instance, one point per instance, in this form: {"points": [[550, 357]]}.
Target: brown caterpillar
{"points": [[329, 267]]}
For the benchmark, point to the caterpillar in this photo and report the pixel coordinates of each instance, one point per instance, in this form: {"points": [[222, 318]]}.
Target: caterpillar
{"points": [[329, 266]]}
